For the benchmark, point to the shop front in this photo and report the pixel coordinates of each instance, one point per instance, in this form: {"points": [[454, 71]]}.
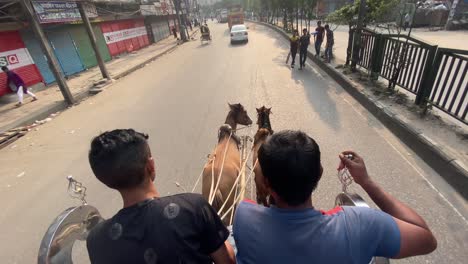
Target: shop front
{"points": [[15, 55], [124, 36]]}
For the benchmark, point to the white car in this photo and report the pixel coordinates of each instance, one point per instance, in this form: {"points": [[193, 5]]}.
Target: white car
{"points": [[239, 33]]}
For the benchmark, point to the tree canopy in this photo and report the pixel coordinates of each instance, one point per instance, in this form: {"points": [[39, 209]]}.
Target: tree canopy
{"points": [[377, 11]]}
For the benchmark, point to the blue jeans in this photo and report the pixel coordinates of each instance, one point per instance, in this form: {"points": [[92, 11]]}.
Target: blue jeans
{"points": [[303, 56], [318, 45], [329, 52]]}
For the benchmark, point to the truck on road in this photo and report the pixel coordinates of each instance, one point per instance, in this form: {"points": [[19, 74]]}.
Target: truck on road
{"points": [[236, 15]]}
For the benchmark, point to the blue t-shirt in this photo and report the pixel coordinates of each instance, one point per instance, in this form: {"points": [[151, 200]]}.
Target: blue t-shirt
{"points": [[342, 235]]}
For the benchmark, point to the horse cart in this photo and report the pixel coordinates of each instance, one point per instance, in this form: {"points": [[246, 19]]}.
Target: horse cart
{"points": [[226, 166]]}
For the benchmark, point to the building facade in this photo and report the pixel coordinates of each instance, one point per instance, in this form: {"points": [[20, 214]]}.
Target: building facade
{"points": [[120, 27]]}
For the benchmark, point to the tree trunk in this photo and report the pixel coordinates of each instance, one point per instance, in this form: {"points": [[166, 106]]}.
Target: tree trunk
{"points": [[297, 16], [350, 45], [285, 20], [302, 16]]}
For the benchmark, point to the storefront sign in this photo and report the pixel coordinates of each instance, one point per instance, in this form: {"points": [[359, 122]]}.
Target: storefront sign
{"points": [[116, 36], [15, 58], [53, 12]]}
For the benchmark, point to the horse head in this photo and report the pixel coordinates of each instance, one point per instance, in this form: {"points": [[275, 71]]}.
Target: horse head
{"points": [[237, 115], [263, 118]]}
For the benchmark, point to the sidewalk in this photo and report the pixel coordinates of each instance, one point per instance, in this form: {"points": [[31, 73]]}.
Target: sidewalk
{"points": [[51, 99], [442, 38], [451, 134], [441, 142]]}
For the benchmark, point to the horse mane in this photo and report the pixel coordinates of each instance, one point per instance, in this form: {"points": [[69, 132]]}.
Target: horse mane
{"points": [[224, 132], [261, 135], [263, 121]]}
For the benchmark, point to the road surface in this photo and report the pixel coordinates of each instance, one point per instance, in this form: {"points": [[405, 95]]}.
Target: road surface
{"points": [[180, 100]]}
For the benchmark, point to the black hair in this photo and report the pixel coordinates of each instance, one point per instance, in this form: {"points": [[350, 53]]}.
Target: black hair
{"points": [[4, 68], [327, 26], [290, 161], [118, 158], [319, 22]]}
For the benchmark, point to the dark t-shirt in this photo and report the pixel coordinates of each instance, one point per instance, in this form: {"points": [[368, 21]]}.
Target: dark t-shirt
{"points": [[304, 41], [320, 30], [182, 228]]}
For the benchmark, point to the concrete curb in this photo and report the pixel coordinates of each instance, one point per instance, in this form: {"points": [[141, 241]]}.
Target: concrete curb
{"points": [[452, 170], [45, 111]]}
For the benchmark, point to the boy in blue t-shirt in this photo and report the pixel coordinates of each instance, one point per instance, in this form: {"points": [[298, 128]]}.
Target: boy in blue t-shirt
{"points": [[293, 231]]}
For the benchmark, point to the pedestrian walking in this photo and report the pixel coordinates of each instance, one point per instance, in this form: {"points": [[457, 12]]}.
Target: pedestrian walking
{"points": [[407, 21], [318, 37], [329, 44], [304, 42], [17, 85], [189, 24], [174, 31], [294, 43]]}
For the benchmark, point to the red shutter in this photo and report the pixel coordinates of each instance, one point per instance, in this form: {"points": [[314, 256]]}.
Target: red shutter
{"points": [[16, 57], [119, 44]]}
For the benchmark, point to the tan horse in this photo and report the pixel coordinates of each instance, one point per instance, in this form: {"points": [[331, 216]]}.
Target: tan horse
{"points": [[264, 130], [224, 164]]}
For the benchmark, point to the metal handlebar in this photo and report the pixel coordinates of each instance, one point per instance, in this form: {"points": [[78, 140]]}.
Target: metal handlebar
{"points": [[76, 189]]}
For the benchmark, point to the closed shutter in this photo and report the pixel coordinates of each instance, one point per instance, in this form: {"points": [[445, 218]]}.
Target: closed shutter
{"points": [[35, 50], [101, 43], [83, 45], [124, 36], [65, 50], [160, 30], [15, 55]]}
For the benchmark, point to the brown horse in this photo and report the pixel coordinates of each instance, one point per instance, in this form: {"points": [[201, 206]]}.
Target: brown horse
{"points": [[224, 164], [264, 130]]}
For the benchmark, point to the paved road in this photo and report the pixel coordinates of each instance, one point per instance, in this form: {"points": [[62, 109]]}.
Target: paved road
{"points": [[181, 100]]}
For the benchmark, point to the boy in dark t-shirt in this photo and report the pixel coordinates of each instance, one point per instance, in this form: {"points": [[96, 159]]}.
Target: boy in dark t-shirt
{"points": [[181, 228], [318, 37], [304, 44]]}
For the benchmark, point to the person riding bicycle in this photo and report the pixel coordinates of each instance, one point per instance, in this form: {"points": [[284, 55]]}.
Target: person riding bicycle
{"points": [[181, 228], [292, 230]]}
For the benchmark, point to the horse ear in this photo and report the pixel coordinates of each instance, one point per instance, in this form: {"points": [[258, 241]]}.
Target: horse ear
{"points": [[230, 105], [269, 110], [258, 110]]}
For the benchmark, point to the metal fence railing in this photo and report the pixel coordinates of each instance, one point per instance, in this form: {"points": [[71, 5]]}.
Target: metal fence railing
{"points": [[367, 48], [450, 83], [435, 75], [412, 57]]}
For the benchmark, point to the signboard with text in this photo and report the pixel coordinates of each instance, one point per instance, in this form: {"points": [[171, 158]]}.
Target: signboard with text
{"points": [[55, 11], [116, 36]]}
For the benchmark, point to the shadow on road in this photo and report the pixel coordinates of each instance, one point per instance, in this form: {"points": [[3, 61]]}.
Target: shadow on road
{"points": [[237, 44], [317, 92]]}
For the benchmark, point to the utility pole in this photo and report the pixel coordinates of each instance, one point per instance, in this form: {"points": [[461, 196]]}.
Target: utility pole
{"points": [[183, 35], [92, 38], [357, 34], [186, 18], [51, 60]]}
